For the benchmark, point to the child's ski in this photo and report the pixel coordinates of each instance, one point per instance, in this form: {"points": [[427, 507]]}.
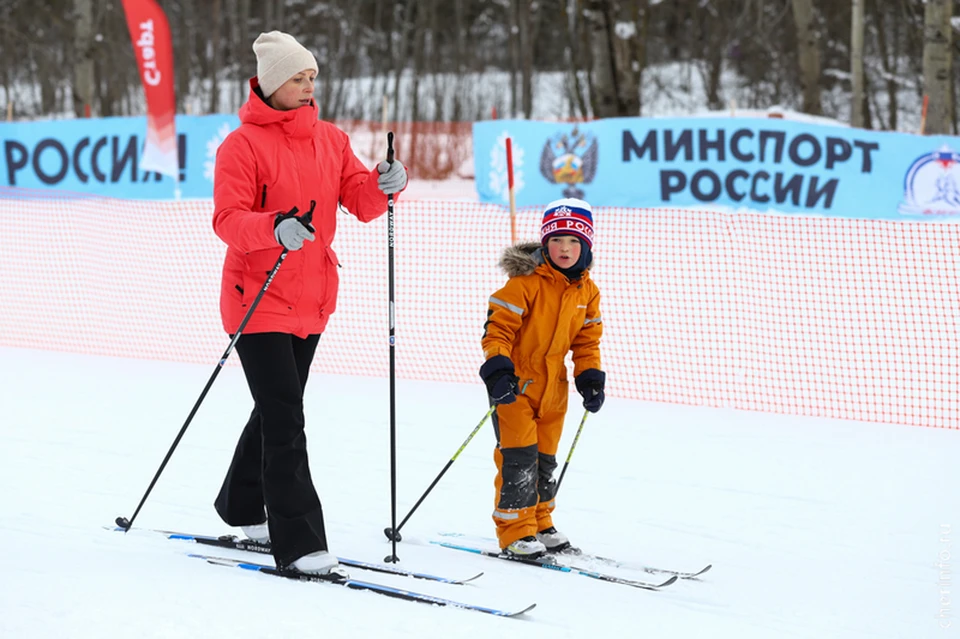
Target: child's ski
{"points": [[551, 564], [613, 563], [381, 589]]}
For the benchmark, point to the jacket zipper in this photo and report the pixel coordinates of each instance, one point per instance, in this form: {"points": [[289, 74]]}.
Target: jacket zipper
{"points": [[263, 197]]}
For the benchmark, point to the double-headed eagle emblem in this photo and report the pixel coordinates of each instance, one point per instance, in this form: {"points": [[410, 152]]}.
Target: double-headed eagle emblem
{"points": [[570, 159]]}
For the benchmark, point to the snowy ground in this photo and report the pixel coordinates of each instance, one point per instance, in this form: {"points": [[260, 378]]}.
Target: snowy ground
{"points": [[815, 528]]}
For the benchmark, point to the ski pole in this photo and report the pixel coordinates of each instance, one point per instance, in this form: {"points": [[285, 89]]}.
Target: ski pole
{"points": [[125, 523], [393, 533], [573, 447], [392, 557]]}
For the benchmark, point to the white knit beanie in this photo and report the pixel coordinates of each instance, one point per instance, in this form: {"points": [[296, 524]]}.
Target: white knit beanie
{"points": [[279, 58]]}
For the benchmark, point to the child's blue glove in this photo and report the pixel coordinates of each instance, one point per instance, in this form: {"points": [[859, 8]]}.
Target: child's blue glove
{"points": [[498, 374], [590, 384]]}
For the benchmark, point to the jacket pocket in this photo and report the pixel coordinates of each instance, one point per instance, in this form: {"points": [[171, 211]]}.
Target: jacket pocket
{"points": [[332, 283], [285, 288]]}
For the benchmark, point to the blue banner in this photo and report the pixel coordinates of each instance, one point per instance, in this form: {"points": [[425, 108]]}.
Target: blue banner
{"points": [[102, 156], [761, 164]]}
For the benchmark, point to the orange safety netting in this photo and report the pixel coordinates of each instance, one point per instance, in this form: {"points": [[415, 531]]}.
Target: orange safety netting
{"points": [[429, 150], [844, 318]]}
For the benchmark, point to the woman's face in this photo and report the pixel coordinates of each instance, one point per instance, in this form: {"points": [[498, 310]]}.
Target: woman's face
{"points": [[295, 92]]}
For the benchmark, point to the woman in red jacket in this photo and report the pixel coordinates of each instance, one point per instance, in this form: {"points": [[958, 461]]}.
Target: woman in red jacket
{"points": [[280, 160]]}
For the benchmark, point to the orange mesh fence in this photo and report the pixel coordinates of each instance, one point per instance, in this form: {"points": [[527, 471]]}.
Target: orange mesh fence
{"points": [[430, 150], [843, 318]]}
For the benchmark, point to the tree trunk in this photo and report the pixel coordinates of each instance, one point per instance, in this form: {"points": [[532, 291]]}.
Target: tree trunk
{"points": [[513, 9], [712, 34], [643, 19], [400, 57], [184, 39], [606, 102], [623, 22], [938, 66], [47, 76], [419, 57], [809, 55], [525, 46], [83, 49], [856, 65], [234, 50], [281, 15], [571, 54], [269, 23], [459, 62], [890, 63], [215, 64], [244, 46]]}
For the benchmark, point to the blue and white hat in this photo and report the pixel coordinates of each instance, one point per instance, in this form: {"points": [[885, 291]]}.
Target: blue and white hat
{"points": [[568, 216]]}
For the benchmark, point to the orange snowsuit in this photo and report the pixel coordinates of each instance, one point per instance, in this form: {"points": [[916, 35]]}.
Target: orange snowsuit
{"points": [[535, 320]]}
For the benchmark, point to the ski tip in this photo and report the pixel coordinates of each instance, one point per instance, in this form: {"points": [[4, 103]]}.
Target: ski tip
{"points": [[460, 582], [672, 580], [216, 561], [698, 574], [521, 612]]}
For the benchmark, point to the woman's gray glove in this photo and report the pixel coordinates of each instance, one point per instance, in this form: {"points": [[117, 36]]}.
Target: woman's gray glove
{"points": [[393, 177], [291, 230]]}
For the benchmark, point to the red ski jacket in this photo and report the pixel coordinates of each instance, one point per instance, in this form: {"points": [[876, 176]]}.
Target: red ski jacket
{"points": [[277, 160]]}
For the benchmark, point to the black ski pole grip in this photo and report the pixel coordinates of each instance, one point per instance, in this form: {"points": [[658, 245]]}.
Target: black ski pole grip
{"points": [[308, 216], [390, 147]]}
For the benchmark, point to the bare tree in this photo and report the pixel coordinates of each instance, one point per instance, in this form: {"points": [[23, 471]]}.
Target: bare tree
{"points": [[513, 9], [281, 15], [403, 26], [889, 61], [856, 64], [606, 92], [243, 46], [642, 18], [627, 18], [83, 51], [525, 53], [792, 53], [938, 65], [712, 33], [807, 44], [217, 61], [571, 54]]}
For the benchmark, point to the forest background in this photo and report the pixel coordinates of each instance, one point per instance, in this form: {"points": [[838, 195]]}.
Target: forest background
{"points": [[865, 62]]}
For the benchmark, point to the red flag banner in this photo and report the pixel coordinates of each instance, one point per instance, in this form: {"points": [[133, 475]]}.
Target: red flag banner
{"points": [[150, 34]]}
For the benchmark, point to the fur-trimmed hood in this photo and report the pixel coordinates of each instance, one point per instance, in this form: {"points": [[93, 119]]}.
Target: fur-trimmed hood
{"points": [[523, 258]]}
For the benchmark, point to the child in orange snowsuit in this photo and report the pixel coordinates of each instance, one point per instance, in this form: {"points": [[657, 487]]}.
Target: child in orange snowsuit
{"points": [[548, 307]]}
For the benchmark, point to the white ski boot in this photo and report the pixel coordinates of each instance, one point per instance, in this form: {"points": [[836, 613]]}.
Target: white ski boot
{"points": [[525, 548], [321, 562], [258, 532], [556, 541]]}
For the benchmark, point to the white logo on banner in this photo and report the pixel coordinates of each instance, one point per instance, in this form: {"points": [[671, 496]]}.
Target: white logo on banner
{"points": [[499, 179], [212, 145], [931, 185]]}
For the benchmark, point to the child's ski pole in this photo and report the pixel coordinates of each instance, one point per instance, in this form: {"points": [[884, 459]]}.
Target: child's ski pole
{"points": [[573, 447]]}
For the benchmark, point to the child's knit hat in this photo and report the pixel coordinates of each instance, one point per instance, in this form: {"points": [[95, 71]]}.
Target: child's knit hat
{"points": [[568, 216]]}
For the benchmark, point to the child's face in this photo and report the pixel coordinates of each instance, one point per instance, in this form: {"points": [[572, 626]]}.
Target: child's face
{"points": [[564, 250]]}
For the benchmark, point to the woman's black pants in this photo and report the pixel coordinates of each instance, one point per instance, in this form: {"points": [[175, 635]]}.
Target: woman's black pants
{"points": [[269, 467]]}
